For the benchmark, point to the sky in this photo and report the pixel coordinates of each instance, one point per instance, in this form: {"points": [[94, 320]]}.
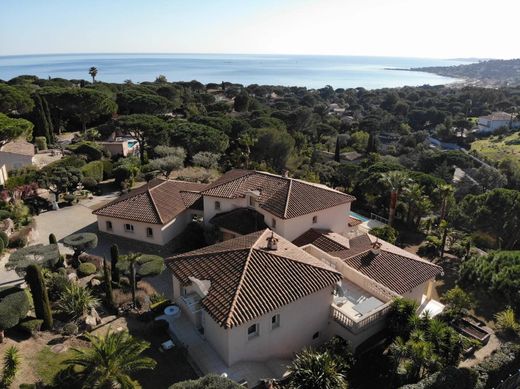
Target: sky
{"points": [[403, 28]]}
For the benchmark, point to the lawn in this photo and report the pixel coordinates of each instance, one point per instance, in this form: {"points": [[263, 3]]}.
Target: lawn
{"points": [[47, 363], [497, 148]]}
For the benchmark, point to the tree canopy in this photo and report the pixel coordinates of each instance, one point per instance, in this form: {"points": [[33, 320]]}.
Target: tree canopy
{"points": [[10, 129]]}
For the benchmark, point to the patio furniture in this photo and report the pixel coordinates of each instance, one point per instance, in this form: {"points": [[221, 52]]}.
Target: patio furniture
{"points": [[367, 305], [172, 311], [168, 345]]}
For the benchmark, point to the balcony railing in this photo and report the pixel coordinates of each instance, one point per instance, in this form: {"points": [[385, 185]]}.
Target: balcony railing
{"points": [[356, 326]]}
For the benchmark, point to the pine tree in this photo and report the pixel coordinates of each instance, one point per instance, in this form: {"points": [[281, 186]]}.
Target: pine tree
{"points": [[114, 256], [42, 307]]}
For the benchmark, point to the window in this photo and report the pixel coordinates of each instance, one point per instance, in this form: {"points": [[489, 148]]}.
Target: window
{"points": [[217, 205], [149, 232], [273, 223], [109, 226], [314, 219], [252, 331], [316, 335], [129, 228], [275, 321]]}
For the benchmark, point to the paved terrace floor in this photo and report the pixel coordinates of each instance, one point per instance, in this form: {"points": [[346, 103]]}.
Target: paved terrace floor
{"points": [[208, 361]]}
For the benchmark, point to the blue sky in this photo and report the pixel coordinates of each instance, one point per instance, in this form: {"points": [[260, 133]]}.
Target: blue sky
{"points": [[421, 28]]}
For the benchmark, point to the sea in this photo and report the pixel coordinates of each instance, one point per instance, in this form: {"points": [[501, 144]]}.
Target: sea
{"points": [[311, 71]]}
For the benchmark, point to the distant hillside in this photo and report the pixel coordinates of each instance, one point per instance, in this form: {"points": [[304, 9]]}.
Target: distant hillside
{"points": [[494, 72]]}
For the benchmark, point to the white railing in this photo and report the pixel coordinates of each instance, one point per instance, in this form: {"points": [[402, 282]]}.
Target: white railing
{"points": [[381, 219], [356, 326]]}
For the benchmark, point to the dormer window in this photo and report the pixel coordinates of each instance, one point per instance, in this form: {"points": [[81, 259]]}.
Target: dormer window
{"points": [[217, 205]]}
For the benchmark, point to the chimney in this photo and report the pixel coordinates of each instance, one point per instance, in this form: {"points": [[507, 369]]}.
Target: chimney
{"points": [[285, 173], [376, 248], [272, 242]]}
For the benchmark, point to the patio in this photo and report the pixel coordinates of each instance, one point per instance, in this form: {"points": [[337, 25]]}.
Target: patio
{"points": [[208, 361]]}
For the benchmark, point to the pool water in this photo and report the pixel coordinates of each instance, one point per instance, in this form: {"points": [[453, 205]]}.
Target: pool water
{"points": [[131, 143], [359, 217]]}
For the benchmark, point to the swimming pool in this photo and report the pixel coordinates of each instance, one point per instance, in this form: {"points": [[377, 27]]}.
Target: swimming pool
{"points": [[359, 217], [131, 143]]}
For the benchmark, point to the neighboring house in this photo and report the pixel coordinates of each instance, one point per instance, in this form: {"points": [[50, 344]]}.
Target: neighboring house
{"points": [[288, 206], [17, 154], [121, 146], [154, 213], [492, 122], [260, 297], [256, 297]]}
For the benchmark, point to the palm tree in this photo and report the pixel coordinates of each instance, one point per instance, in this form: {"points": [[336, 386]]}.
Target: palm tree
{"points": [[311, 369], [93, 73], [414, 195], [396, 180], [445, 191], [110, 360]]}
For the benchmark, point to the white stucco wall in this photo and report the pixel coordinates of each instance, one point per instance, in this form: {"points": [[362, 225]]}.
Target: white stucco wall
{"points": [[3, 174], [161, 234], [225, 206], [15, 161], [299, 321], [417, 292]]}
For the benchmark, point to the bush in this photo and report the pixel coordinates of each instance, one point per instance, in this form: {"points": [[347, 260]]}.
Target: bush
{"points": [[448, 378], [93, 170], [44, 255], [107, 169], [1, 246], [40, 142], [4, 238], [13, 307], [75, 301], [30, 325], [56, 285], [506, 322], [4, 214], [151, 267], [90, 149], [387, 233], [210, 381], [89, 183], [86, 269], [70, 329], [483, 240]]}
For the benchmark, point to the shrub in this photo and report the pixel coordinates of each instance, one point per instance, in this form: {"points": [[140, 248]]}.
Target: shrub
{"points": [[75, 301], [107, 169], [4, 214], [4, 238], [86, 269], [387, 233], [31, 326], [122, 173], [1, 246], [12, 362], [40, 142], [52, 239], [89, 183], [457, 300], [93, 170], [56, 285], [151, 265], [90, 149], [70, 329], [210, 381], [483, 240], [13, 307], [47, 256], [506, 322], [69, 198]]}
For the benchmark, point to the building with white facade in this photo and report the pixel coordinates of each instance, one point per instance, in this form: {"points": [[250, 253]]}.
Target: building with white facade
{"points": [[17, 154], [496, 120]]}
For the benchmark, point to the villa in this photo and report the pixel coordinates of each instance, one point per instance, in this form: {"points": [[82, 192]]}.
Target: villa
{"points": [[492, 122], [154, 213], [17, 154]]}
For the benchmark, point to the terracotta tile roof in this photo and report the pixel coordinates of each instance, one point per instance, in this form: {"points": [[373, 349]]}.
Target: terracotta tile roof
{"points": [[241, 220], [394, 268], [352, 221], [248, 280], [282, 196], [157, 202], [19, 146]]}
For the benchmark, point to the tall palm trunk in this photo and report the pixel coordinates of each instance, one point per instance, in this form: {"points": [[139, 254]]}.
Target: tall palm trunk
{"points": [[393, 206]]}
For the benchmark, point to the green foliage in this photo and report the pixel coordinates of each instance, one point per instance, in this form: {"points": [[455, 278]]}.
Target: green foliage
{"points": [[12, 361], [210, 381], [498, 272], [40, 297], [311, 369], [81, 241], [272, 146], [40, 142], [206, 160], [114, 257], [86, 269], [399, 317], [91, 150], [70, 329], [13, 99], [109, 298], [457, 301], [10, 129], [75, 301], [4, 238], [387, 233], [30, 326], [195, 138], [110, 360], [448, 378], [507, 323], [93, 170], [52, 239], [56, 284], [14, 306], [47, 256]]}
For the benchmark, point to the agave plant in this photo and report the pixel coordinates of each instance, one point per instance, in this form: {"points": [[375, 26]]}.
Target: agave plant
{"points": [[110, 360], [75, 301], [12, 361], [506, 321], [311, 369]]}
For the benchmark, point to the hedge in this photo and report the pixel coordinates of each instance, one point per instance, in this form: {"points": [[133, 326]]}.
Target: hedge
{"points": [[90, 149], [30, 325], [93, 170], [107, 169], [210, 381], [86, 269], [13, 307], [47, 256], [40, 142]]}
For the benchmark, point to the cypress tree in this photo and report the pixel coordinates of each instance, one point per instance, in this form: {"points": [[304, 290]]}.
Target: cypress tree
{"points": [[41, 126], [108, 283], [114, 257], [52, 239], [336, 152], [39, 293], [372, 143], [48, 118]]}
